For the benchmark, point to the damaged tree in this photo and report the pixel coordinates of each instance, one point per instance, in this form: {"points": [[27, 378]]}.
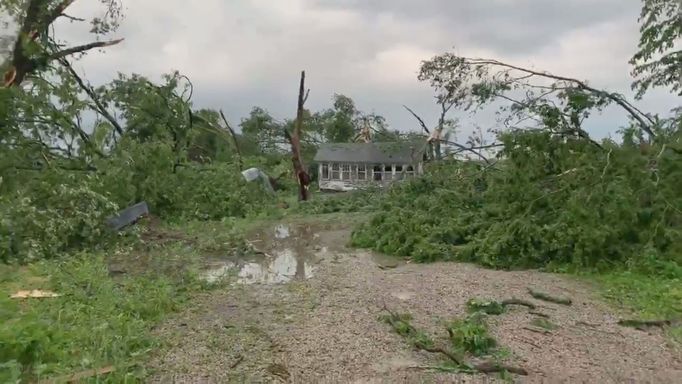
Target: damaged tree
{"points": [[34, 48], [537, 99], [295, 140]]}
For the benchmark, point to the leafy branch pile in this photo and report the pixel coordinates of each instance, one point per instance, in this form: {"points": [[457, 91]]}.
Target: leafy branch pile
{"points": [[544, 193], [548, 202]]}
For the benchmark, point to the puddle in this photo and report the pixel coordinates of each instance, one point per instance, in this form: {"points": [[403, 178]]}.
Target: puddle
{"points": [[290, 253], [282, 231], [283, 268]]}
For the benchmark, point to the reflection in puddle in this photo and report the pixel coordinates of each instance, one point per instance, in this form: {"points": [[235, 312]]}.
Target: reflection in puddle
{"points": [[283, 268], [282, 231]]}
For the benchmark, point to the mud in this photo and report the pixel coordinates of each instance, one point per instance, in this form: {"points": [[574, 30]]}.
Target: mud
{"points": [[321, 325]]}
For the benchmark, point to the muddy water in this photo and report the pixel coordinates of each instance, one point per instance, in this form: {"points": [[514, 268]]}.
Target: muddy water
{"points": [[285, 253]]}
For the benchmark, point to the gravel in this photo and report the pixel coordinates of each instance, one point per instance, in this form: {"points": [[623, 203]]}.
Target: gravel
{"points": [[326, 329]]}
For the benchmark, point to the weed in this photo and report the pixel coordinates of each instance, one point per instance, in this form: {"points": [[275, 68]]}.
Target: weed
{"points": [[488, 307], [471, 335]]}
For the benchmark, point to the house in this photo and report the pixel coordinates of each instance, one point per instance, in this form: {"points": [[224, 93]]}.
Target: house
{"points": [[347, 166]]}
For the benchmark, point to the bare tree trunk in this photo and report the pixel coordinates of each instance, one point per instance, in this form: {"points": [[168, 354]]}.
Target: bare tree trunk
{"points": [[295, 139], [234, 140]]}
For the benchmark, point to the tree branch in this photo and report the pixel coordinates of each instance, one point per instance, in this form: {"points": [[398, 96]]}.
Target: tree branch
{"points": [[93, 96], [421, 122], [83, 48], [618, 99]]}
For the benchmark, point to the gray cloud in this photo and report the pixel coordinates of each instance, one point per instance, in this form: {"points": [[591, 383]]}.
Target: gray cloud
{"points": [[249, 52]]}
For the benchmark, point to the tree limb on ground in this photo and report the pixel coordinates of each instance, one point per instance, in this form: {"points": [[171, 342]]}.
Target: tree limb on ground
{"points": [[641, 324], [514, 301], [547, 297], [407, 329]]}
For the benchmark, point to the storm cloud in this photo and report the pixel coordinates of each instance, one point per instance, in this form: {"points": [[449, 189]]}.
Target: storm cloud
{"points": [[244, 53]]}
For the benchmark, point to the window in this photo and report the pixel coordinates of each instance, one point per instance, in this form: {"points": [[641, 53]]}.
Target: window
{"points": [[362, 172], [388, 172], [377, 173], [409, 172], [325, 171], [345, 171], [335, 172]]}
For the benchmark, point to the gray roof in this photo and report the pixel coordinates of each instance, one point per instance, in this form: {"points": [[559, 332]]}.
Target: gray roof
{"points": [[380, 153]]}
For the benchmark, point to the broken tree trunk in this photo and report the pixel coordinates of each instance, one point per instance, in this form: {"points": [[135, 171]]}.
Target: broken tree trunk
{"points": [[295, 139], [37, 21], [234, 140]]}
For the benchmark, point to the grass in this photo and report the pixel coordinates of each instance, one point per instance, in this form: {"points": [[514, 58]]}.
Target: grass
{"points": [[648, 297], [101, 319], [471, 335]]}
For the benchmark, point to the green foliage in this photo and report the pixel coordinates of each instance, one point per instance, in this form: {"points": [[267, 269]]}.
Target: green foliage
{"points": [[657, 63], [356, 201], [471, 335], [96, 322], [53, 214], [658, 298], [550, 202], [488, 307], [400, 322]]}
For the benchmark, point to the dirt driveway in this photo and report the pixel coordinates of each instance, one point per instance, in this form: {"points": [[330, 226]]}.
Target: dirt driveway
{"points": [[307, 312]]}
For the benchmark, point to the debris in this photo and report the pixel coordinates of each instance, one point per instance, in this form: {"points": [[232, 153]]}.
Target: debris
{"points": [[253, 174], [35, 294], [491, 307], [643, 324], [402, 326], [546, 297], [538, 330], [544, 323], [580, 322], [279, 370], [128, 216], [514, 301], [80, 376], [546, 316], [239, 359]]}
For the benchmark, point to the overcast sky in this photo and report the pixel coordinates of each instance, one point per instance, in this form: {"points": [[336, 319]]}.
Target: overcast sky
{"points": [[242, 53]]}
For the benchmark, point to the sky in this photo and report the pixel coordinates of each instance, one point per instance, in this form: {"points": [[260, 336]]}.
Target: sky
{"points": [[245, 53]]}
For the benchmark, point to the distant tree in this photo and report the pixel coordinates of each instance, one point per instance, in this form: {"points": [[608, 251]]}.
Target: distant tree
{"points": [[658, 62], [261, 128], [341, 126]]}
